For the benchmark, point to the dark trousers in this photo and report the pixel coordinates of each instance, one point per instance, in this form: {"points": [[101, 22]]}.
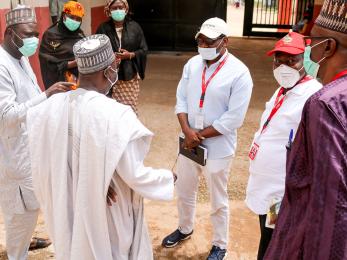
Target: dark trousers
{"points": [[265, 237]]}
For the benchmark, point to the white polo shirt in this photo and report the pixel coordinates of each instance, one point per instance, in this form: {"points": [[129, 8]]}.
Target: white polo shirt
{"points": [[226, 100], [268, 169]]}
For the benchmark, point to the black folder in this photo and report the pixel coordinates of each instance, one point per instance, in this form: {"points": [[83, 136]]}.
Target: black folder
{"points": [[197, 154]]}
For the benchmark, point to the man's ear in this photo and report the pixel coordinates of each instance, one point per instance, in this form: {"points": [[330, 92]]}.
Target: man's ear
{"points": [[7, 32], [330, 47], [225, 41]]}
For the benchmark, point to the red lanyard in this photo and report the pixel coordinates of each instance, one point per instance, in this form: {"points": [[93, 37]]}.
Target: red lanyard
{"points": [[340, 75], [279, 102], [205, 84]]}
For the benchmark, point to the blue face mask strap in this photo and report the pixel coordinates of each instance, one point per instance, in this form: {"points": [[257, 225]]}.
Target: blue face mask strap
{"points": [[319, 43], [301, 68], [114, 70], [16, 36], [318, 62]]}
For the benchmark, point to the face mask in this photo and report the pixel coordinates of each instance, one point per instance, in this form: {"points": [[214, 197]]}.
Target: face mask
{"points": [[312, 67], [286, 76], [209, 53], [109, 80], [118, 15], [29, 45], [71, 24]]}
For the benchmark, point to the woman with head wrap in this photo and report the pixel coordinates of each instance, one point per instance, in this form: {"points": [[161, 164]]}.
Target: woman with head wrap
{"points": [[129, 43], [56, 56]]}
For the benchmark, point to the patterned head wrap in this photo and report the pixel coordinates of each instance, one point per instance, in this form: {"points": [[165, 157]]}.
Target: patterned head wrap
{"points": [[93, 53], [74, 8], [20, 14], [333, 16], [110, 2]]}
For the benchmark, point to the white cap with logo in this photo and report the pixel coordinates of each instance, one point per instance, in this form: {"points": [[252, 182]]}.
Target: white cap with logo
{"points": [[213, 28]]}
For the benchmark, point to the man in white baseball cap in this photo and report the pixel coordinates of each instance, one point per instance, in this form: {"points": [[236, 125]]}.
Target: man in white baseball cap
{"points": [[213, 28], [212, 100]]}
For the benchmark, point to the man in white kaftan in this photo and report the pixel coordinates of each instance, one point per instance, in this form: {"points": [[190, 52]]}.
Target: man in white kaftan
{"points": [[81, 143], [19, 91]]}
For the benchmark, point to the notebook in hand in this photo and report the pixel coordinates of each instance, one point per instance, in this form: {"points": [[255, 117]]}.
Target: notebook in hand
{"points": [[197, 154]]}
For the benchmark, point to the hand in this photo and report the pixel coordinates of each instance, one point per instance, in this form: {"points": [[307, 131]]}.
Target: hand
{"points": [[72, 64], [111, 196], [58, 88], [192, 138], [125, 55], [175, 177]]}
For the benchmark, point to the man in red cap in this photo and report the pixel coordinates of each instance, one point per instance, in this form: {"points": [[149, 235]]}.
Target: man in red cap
{"points": [[312, 223], [278, 126]]}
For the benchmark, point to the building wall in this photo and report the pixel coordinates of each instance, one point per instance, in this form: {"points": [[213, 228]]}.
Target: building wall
{"points": [[317, 7]]}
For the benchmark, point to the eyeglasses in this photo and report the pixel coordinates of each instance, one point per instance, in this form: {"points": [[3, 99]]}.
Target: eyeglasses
{"points": [[207, 41], [291, 61]]}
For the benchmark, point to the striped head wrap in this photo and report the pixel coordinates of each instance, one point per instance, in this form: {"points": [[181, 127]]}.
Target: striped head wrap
{"points": [[74, 8], [110, 2]]}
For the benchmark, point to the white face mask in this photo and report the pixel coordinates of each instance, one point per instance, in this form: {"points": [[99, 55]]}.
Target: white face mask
{"points": [[109, 80], [286, 76], [209, 53]]}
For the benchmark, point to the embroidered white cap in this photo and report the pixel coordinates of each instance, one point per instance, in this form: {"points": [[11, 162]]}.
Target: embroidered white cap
{"points": [[213, 28], [20, 14], [93, 53]]}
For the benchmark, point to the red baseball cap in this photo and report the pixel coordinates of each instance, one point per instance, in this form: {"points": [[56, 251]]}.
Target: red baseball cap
{"points": [[293, 43]]}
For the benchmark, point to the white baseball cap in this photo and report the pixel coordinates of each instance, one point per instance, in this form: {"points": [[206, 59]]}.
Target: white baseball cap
{"points": [[213, 28]]}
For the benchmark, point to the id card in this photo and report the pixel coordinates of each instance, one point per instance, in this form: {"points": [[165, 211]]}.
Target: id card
{"points": [[199, 121], [254, 150], [272, 215]]}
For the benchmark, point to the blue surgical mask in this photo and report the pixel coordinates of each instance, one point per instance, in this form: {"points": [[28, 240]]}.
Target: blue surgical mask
{"points": [[118, 15], [71, 24], [310, 66], [29, 45]]}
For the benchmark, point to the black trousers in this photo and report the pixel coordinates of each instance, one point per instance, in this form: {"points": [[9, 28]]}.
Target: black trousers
{"points": [[265, 237]]}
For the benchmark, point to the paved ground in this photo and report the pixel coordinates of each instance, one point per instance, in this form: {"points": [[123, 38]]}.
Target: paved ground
{"points": [[157, 112]]}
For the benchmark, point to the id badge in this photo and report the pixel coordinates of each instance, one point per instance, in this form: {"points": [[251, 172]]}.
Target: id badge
{"points": [[199, 121], [254, 149], [272, 215]]}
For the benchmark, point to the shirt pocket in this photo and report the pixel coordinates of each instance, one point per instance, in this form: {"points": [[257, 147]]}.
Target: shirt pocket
{"points": [[17, 157]]}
